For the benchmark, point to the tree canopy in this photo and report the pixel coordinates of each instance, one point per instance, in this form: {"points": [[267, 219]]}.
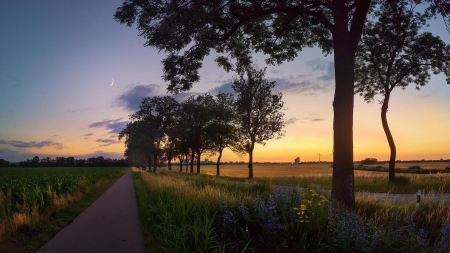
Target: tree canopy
{"points": [[394, 53], [258, 110], [188, 30]]}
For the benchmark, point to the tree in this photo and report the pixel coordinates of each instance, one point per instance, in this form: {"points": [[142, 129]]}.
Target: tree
{"points": [[155, 114], [138, 145], [222, 131], [197, 111], [258, 110], [393, 53], [35, 161], [279, 29], [4, 163]]}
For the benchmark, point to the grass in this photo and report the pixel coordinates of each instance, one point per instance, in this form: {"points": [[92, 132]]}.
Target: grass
{"points": [[184, 213], [304, 175], [25, 231]]}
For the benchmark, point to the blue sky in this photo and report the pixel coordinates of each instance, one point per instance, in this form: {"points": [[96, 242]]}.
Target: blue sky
{"points": [[58, 59]]}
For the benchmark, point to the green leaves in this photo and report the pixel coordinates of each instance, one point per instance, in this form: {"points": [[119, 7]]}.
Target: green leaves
{"points": [[393, 53]]}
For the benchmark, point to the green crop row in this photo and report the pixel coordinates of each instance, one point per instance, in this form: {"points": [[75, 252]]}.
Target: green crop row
{"points": [[25, 189]]}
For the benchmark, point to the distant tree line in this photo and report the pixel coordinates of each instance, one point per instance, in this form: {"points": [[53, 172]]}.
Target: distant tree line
{"points": [[67, 162], [164, 129], [4, 163]]}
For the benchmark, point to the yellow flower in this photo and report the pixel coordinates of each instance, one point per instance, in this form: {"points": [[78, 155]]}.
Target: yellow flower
{"points": [[313, 193], [323, 199]]}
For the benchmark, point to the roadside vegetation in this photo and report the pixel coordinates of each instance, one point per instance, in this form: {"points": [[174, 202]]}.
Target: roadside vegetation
{"points": [[198, 213], [36, 202]]}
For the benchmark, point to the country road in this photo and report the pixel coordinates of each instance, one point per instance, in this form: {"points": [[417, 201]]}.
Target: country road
{"points": [[110, 225]]}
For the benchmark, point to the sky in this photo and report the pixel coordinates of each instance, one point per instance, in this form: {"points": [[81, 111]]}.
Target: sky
{"points": [[59, 58]]}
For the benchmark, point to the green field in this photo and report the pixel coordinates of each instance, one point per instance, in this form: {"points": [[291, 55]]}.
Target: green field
{"points": [[30, 196]]}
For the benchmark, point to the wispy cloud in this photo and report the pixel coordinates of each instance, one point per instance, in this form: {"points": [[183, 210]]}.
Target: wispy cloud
{"points": [[112, 155], [131, 99], [32, 144], [88, 134], [107, 142], [180, 97], [312, 119], [299, 85], [114, 125], [224, 88], [321, 65], [290, 121]]}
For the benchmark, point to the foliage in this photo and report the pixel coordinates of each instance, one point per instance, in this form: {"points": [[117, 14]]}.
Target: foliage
{"points": [[257, 109], [279, 29], [222, 131], [393, 53]]}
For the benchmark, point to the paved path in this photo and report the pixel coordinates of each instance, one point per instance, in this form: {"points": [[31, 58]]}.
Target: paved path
{"points": [[111, 224]]}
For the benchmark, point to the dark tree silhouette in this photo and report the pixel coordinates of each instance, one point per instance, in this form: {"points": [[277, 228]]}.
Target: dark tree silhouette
{"points": [[188, 30], [222, 131], [393, 53], [258, 110], [198, 112]]}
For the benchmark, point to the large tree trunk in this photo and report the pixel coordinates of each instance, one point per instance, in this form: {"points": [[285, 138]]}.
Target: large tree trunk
{"points": [[192, 162], [181, 165], [250, 160], [155, 161], [343, 189], [218, 162], [384, 110], [198, 162]]}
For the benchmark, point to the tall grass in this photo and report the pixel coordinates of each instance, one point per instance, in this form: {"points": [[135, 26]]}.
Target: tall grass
{"points": [[429, 184], [186, 213]]}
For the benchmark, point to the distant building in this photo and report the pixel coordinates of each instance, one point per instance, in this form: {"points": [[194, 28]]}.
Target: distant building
{"points": [[297, 160]]}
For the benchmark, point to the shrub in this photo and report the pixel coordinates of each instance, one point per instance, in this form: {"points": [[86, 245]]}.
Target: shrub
{"points": [[414, 168], [447, 168], [401, 180]]}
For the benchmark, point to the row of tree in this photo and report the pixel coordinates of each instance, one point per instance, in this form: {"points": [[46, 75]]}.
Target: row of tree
{"points": [[72, 162], [375, 44], [164, 129], [4, 163]]}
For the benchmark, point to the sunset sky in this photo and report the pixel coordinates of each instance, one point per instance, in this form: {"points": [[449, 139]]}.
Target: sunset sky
{"points": [[58, 59]]}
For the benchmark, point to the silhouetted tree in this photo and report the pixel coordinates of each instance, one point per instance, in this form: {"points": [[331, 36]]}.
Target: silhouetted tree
{"points": [[4, 163], [188, 30], [258, 110], [222, 131], [393, 53], [197, 113]]}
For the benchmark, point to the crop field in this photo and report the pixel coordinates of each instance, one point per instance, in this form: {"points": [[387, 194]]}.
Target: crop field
{"points": [[30, 195], [306, 174], [276, 170], [423, 165]]}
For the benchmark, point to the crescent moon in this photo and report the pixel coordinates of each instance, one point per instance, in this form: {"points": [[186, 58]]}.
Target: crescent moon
{"points": [[112, 82]]}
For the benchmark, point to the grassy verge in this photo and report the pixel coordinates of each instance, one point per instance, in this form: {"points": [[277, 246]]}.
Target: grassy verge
{"points": [[35, 233], [185, 213], [407, 184]]}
